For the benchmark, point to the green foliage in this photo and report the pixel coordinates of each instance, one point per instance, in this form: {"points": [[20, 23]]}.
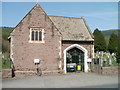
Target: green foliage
{"points": [[0, 39], [100, 44], [6, 63], [6, 32], [107, 33], [113, 43], [5, 42], [5, 46], [6, 60], [118, 50], [0, 65]]}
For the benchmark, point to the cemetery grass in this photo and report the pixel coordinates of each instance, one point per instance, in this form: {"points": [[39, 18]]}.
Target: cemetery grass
{"points": [[0, 62], [6, 65], [5, 62], [114, 64], [0, 65]]}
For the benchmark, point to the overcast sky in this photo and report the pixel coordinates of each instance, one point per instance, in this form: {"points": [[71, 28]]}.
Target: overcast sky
{"points": [[101, 15]]}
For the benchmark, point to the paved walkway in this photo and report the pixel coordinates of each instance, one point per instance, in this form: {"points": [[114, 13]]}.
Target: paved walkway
{"points": [[74, 80]]}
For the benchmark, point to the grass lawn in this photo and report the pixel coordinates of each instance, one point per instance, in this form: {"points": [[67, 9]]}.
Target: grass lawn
{"points": [[5, 63], [0, 65], [114, 64]]}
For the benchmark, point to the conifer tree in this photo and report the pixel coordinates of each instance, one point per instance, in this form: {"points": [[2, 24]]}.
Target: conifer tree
{"points": [[118, 53], [113, 43], [100, 44], [118, 49]]}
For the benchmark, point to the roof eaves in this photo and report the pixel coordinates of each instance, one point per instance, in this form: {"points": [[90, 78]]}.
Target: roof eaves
{"points": [[78, 40], [64, 17]]}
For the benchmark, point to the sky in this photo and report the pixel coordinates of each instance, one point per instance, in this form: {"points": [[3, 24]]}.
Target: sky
{"points": [[101, 15]]}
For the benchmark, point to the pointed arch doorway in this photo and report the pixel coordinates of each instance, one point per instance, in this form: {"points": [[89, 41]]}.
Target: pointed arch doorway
{"points": [[75, 59]]}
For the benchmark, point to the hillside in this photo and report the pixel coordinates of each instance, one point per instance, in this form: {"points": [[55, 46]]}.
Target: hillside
{"points": [[4, 34], [107, 34]]}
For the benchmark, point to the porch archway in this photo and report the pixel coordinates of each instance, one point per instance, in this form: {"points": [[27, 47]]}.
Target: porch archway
{"points": [[80, 48]]}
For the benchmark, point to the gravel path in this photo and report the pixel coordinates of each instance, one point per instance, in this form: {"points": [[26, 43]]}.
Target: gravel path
{"points": [[74, 80]]}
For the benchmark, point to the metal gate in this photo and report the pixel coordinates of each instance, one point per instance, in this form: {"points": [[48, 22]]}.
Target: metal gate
{"points": [[96, 65], [75, 60]]}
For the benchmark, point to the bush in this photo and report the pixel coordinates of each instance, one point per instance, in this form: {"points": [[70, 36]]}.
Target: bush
{"points": [[6, 60], [5, 46], [5, 42]]}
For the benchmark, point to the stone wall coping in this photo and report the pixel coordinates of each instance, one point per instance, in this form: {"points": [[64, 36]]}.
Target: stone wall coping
{"points": [[111, 67], [6, 69]]}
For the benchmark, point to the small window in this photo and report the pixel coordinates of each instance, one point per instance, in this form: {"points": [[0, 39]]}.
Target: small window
{"points": [[32, 36], [40, 36], [36, 34]]}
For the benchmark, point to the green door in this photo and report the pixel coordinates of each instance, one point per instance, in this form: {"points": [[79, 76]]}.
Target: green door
{"points": [[75, 60]]}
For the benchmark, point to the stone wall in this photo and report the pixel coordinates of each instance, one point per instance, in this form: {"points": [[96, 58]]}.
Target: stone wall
{"points": [[24, 52], [7, 73], [33, 73], [87, 45], [110, 70]]}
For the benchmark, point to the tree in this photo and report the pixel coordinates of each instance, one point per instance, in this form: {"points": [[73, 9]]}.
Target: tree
{"points": [[118, 54], [113, 43], [100, 44], [118, 50], [5, 43], [5, 46]]}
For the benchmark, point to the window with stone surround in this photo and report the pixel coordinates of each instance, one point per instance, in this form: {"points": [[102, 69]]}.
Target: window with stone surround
{"points": [[36, 35]]}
